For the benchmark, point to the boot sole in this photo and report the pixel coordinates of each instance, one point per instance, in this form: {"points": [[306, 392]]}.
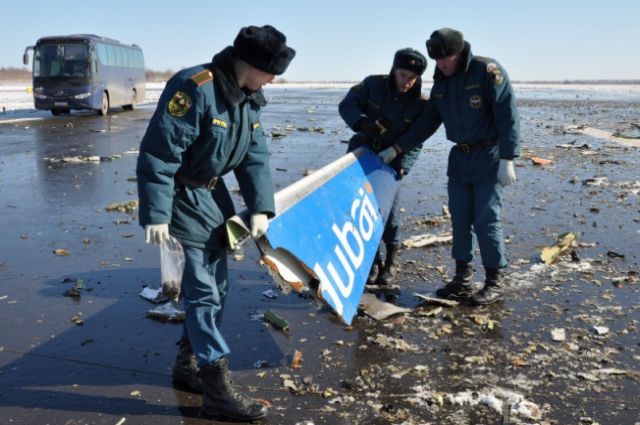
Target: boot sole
{"points": [[221, 416], [477, 303]]}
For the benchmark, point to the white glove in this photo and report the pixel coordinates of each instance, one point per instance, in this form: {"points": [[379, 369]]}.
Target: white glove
{"points": [[506, 172], [259, 225], [156, 233], [388, 154]]}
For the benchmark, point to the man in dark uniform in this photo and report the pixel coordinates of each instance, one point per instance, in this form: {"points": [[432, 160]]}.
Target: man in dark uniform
{"points": [[379, 110], [207, 124], [474, 99]]}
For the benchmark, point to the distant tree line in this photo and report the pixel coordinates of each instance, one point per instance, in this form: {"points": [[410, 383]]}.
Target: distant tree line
{"points": [[24, 74], [15, 74]]}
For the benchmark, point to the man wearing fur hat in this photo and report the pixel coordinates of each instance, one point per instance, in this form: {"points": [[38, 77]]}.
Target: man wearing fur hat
{"points": [[474, 99], [207, 124], [379, 110]]}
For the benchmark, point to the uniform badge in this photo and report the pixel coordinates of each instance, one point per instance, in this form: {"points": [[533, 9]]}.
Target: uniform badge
{"points": [[475, 101], [498, 78], [179, 104], [219, 123]]}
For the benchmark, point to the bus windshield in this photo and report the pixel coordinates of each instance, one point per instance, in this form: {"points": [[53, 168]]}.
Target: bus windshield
{"points": [[61, 60]]}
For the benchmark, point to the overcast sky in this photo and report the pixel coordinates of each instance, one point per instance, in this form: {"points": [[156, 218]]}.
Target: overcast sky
{"points": [[347, 40]]}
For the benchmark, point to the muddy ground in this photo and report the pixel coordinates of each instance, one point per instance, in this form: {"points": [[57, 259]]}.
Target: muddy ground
{"points": [[563, 348]]}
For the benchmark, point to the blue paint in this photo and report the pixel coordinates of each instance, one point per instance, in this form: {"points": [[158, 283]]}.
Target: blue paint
{"points": [[336, 229]]}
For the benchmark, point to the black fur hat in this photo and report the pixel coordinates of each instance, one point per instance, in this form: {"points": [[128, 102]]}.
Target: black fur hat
{"points": [[264, 48], [411, 60], [445, 42]]}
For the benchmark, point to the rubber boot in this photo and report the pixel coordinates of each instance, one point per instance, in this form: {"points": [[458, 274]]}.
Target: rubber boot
{"points": [[461, 285], [221, 399], [492, 290], [390, 272], [185, 369], [376, 268]]}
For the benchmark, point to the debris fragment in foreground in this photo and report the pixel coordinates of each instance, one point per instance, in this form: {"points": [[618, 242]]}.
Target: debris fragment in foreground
{"points": [[549, 253], [378, 309], [277, 321], [437, 301]]}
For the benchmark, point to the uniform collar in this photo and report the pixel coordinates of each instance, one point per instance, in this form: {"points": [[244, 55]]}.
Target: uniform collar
{"points": [[463, 64], [225, 78]]}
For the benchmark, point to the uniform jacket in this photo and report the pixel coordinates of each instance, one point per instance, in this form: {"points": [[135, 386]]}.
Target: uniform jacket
{"points": [[376, 98], [205, 126], [475, 104]]}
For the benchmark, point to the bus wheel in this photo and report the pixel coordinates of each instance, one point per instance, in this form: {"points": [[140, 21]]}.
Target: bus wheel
{"points": [[132, 105], [104, 110]]}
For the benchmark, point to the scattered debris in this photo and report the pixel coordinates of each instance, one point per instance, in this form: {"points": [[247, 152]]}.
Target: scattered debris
{"points": [[277, 321], [124, 207], [61, 252], [379, 310], [563, 243], [541, 161], [437, 301], [558, 334], [427, 239], [296, 361], [166, 313]]}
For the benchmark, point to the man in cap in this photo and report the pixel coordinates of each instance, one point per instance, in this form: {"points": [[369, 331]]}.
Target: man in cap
{"points": [[474, 99], [379, 110], [207, 123]]}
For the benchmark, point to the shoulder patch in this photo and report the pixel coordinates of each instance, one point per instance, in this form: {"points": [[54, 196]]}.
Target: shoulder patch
{"points": [[180, 104], [493, 68], [202, 77]]}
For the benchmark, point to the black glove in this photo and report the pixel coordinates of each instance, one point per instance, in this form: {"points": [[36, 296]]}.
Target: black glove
{"points": [[368, 127]]}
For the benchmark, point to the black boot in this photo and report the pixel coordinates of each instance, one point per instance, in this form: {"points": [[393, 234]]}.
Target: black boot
{"points": [[390, 272], [461, 285], [376, 268], [221, 399], [492, 290], [185, 369]]}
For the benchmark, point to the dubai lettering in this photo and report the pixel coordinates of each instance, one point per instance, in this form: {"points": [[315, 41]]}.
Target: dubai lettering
{"points": [[337, 277]]}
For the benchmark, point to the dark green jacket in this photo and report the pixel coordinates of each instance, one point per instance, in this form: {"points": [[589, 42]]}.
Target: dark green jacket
{"points": [[377, 98], [475, 104], [205, 126]]}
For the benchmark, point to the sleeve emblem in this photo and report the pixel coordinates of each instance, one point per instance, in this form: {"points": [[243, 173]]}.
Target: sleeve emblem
{"points": [[180, 104]]}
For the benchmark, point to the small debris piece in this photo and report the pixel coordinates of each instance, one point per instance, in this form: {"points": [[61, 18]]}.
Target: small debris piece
{"points": [[427, 239], [124, 207], [277, 321], [155, 295], [76, 290], [558, 334], [600, 330], [379, 309], [436, 301], [61, 252], [270, 293], [613, 254], [549, 253], [296, 362], [77, 319], [166, 313], [541, 161]]}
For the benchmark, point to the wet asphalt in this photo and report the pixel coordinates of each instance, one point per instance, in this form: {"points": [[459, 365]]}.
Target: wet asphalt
{"points": [[96, 358]]}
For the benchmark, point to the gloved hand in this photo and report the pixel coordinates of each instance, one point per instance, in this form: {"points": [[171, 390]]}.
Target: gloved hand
{"points": [[369, 127], [389, 154], [506, 172], [156, 233], [259, 225]]}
